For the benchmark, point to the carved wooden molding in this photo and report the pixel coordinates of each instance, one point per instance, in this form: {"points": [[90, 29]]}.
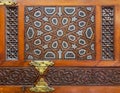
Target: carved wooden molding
{"points": [[62, 76], [86, 76], [18, 75]]}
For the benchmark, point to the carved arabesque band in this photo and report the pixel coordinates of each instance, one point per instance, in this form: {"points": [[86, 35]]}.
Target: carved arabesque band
{"points": [[60, 76]]}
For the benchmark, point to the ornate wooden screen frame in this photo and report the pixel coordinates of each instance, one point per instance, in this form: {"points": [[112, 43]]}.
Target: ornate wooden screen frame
{"points": [[98, 64]]}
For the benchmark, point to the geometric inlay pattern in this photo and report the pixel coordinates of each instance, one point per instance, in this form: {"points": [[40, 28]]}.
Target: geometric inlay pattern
{"points": [[60, 32], [107, 33], [11, 33]]}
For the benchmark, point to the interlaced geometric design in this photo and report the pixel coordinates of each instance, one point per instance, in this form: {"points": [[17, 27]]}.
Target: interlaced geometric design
{"points": [[108, 33], [11, 33], [62, 32]]}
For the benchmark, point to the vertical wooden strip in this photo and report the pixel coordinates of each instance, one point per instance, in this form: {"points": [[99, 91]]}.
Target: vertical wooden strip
{"points": [[2, 33], [21, 32], [117, 33], [98, 32]]}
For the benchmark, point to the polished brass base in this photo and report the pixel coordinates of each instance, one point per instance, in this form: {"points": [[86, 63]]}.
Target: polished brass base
{"points": [[41, 86]]}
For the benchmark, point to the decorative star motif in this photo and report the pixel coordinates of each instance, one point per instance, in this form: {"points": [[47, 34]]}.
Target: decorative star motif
{"points": [[80, 32], [74, 19], [74, 46], [45, 19], [39, 33], [45, 46]]}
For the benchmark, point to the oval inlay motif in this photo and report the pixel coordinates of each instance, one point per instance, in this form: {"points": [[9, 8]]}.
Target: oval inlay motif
{"points": [[37, 42], [64, 21], [82, 23], [48, 37], [72, 37], [30, 32], [71, 28], [55, 21], [65, 44], [37, 23], [37, 14], [81, 14], [48, 28], [82, 51], [82, 42], [89, 32], [37, 51], [55, 44]]}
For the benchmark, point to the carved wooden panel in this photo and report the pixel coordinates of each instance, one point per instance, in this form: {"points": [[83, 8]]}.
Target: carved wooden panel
{"points": [[62, 76], [60, 32], [18, 75], [81, 76], [11, 33], [108, 33]]}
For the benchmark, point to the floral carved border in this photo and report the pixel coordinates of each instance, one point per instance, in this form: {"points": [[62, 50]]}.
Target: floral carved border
{"points": [[62, 76]]}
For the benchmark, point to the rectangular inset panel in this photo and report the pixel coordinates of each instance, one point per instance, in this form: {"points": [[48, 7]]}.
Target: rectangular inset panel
{"points": [[108, 33], [11, 33], [60, 32]]}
